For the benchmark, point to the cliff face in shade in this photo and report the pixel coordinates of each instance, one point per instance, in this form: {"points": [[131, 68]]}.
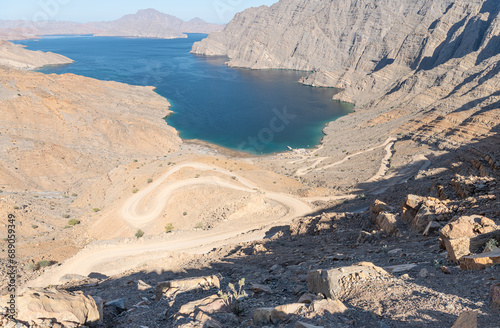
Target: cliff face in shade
{"points": [[147, 23], [16, 56], [399, 58]]}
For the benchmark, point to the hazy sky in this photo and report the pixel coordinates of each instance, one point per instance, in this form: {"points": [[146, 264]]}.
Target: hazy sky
{"points": [[214, 11]]}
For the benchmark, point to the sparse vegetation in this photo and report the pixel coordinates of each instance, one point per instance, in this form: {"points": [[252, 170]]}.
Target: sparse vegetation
{"points": [[491, 245], [200, 225], [45, 263], [96, 210], [34, 226], [169, 228], [73, 222], [232, 297], [185, 213], [74, 195], [139, 233], [66, 216], [150, 180], [135, 190]]}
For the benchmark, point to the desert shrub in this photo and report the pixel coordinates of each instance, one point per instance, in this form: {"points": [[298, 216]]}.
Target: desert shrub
{"points": [[150, 180], [139, 233], [135, 191], [34, 226], [233, 296], [73, 222], [96, 209], [185, 213], [44, 263], [169, 228], [66, 216], [491, 245]]}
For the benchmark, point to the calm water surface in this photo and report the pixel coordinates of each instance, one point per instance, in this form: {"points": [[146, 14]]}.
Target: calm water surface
{"points": [[256, 111]]}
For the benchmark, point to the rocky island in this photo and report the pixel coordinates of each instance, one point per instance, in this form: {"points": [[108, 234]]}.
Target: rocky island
{"points": [[393, 221]]}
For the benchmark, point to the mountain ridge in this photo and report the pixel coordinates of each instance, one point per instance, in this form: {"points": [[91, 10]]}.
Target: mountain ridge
{"points": [[146, 23]]}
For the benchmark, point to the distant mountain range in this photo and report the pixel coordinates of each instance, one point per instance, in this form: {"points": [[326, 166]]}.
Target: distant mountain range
{"points": [[148, 23]]}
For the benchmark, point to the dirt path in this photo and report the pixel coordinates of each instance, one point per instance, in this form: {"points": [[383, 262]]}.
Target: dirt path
{"points": [[111, 259], [313, 167]]}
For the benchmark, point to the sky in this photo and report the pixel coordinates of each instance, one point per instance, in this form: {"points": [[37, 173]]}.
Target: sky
{"points": [[83, 11]]}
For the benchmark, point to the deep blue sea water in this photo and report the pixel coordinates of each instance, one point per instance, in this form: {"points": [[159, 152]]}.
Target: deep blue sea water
{"points": [[249, 110]]}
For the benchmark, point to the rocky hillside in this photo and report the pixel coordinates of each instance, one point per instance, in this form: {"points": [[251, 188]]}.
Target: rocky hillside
{"points": [[148, 23], [17, 56], [399, 57], [60, 130]]}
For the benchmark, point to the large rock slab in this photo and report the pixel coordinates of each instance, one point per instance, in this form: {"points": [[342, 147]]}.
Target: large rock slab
{"points": [[480, 261], [467, 319], [172, 287], [38, 303], [388, 222], [466, 235], [331, 282]]}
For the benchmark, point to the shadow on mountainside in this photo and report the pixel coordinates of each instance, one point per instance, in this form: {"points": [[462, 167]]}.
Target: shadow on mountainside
{"points": [[418, 296]]}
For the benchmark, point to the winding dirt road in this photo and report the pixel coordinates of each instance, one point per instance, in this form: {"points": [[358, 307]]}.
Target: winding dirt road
{"points": [[114, 259]]}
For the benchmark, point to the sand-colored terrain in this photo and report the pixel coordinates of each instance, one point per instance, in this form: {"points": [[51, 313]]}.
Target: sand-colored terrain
{"points": [[16, 56]]}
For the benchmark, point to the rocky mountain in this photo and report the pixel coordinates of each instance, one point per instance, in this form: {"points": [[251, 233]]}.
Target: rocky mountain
{"points": [[61, 129], [398, 57], [148, 23], [17, 56]]}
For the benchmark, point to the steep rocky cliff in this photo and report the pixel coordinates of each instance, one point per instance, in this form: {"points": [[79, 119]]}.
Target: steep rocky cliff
{"points": [[403, 58]]}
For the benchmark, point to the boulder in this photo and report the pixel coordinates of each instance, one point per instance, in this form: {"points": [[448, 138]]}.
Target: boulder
{"points": [[262, 316], [319, 307], [495, 296], [467, 319], [332, 282], [257, 288], [378, 207], [480, 261], [173, 287], [210, 304], [410, 206], [387, 222], [62, 306], [281, 313], [466, 235]]}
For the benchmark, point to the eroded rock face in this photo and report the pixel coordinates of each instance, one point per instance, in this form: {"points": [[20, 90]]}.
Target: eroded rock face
{"points": [[331, 282], [38, 303], [397, 58]]}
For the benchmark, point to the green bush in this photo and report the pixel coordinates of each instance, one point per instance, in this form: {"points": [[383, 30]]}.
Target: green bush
{"points": [[169, 228], [66, 216], [45, 263], [185, 213], [139, 233], [135, 191], [150, 180], [73, 222], [96, 209], [34, 226]]}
